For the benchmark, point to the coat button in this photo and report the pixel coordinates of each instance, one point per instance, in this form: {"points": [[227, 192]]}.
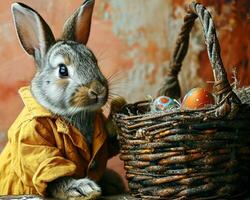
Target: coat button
{"points": [[93, 165]]}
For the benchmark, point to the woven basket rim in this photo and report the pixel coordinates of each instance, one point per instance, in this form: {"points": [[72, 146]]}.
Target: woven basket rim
{"points": [[201, 111]]}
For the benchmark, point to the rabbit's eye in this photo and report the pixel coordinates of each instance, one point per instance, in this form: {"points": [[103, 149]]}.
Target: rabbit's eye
{"points": [[63, 71]]}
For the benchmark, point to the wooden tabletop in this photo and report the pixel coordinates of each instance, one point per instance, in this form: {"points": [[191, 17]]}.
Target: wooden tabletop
{"points": [[33, 197]]}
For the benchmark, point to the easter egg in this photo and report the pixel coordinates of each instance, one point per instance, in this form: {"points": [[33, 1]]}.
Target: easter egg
{"points": [[197, 98], [164, 103]]}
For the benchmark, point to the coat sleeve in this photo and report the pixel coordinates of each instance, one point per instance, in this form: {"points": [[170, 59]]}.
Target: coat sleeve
{"points": [[37, 159]]}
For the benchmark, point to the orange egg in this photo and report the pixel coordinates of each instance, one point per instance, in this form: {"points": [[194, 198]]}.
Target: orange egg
{"points": [[197, 98]]}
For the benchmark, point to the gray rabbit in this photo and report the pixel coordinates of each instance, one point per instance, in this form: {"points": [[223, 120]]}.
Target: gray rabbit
{"points": [[61, 141]]}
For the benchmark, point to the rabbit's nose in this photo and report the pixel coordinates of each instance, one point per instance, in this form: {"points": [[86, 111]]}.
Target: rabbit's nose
{"points": [[97, 90], [93, 93]]}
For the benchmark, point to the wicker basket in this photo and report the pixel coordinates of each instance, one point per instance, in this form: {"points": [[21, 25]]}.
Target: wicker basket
{"points": [[188, 154]]}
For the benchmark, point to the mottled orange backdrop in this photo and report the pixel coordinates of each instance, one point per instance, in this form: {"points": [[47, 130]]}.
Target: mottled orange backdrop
{"points": [[133, 40]]}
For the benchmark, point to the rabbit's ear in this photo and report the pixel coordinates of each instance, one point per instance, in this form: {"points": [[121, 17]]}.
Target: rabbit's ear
{"points": [[34, 33], [77, 27]]}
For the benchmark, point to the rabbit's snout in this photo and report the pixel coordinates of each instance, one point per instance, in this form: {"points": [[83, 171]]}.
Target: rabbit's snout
{"points": [[94, 93], [97, 90]]}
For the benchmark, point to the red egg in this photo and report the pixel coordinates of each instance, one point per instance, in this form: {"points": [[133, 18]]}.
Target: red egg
{"points": [[197, 98]]}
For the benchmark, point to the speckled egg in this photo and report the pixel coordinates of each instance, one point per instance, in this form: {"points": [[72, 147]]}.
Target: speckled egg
{"points": [[197, 98], [163, 103]]}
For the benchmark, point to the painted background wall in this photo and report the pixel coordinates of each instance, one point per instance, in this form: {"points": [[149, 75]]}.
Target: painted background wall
{"points": [[133, 40]]}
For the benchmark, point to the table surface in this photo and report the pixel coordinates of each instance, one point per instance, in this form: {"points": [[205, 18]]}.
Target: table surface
{"points": [[31, 197]]}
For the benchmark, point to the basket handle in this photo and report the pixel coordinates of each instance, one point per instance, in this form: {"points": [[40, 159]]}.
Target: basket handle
{"points": [[222, 88]]}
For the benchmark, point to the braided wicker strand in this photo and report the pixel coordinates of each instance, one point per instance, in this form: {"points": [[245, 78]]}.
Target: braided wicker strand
{"points": [[221, 87], [171, 85]]}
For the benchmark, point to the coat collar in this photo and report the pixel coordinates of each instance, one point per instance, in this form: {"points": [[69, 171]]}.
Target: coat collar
{"points": [[37, 110], [34, 108]]}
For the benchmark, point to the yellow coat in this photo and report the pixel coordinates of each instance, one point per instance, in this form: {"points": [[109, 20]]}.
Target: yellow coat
{"points": [[42, 148]]}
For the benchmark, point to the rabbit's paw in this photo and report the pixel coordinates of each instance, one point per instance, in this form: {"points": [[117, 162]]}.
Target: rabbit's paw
{"points": [[84, 189], [73, 189]]}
